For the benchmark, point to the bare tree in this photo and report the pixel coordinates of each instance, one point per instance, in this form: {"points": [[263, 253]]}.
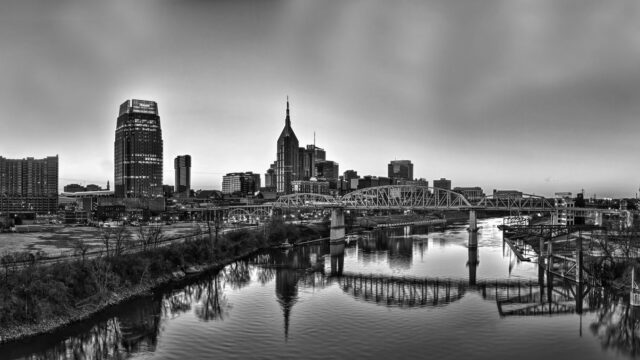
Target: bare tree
{"points": [[101, 274], [149, 237], [156, 235], [105, 236], [120, 240], [80, 248], [213, 303]]}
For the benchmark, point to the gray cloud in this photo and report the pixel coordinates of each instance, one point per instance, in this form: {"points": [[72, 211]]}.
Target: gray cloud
{"points": [[491, 93]]}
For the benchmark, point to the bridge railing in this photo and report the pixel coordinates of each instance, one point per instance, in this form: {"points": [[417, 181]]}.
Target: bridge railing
{"points": [[404, 197], [525, 202]]}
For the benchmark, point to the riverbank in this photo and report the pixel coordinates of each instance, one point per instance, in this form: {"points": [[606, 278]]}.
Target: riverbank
{"points": [[25, 331], [43, 299]]}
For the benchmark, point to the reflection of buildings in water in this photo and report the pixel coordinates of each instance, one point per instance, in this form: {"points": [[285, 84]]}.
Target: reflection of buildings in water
{"points": [[287, 293], [422, 245], [387, 245], [400, 253], [337, 258], [139, 325], [438, 242], [374, 241]]}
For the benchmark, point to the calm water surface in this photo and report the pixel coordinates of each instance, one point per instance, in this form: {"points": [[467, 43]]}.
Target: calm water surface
{"points": [[403, 293]]}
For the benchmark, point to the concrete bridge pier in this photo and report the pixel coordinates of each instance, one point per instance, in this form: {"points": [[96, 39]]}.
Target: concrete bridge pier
{"points": [[472, 263], [473, 222], [473, 239], [337, 225]]}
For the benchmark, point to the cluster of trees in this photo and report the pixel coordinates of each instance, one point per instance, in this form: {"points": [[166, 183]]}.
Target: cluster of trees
{"points": [[618, 251], [37, 292]]}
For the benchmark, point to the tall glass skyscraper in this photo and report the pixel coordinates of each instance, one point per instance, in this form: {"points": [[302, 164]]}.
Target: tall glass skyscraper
{"points": [[182, 167], [138, 150], [400, 169], [287, 157]]}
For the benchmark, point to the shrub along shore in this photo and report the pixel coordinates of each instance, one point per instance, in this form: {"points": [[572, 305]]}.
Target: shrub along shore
{"points": [[40, 299]]}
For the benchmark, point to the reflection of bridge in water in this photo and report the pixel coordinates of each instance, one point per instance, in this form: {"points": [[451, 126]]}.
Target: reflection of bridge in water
{"points": [[306, 267], [512, 297]]}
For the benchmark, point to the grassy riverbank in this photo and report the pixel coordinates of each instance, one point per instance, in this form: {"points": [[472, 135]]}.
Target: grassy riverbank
{"points": [[42, 298]]}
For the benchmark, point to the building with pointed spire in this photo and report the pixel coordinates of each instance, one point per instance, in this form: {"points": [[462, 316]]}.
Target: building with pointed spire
{"points": [[287, 163]]}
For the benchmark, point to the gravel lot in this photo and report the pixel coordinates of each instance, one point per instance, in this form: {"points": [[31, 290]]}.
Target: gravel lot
{"points": [[53, 239]]}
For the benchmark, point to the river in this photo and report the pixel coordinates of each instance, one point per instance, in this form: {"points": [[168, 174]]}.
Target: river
{"points": [[401, 293]]}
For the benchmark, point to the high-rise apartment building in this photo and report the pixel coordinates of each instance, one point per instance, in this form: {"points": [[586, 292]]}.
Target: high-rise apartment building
{"points": [[287, 164], [138, 150], [29, 184], [400, 169], [182, 166]]}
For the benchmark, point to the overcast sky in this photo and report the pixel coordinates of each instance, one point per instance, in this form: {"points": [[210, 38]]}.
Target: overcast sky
{"points": [[540, 96]]}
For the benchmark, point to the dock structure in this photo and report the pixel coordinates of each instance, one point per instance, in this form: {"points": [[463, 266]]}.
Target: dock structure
{"points": [[634, 298], [558, 248]]}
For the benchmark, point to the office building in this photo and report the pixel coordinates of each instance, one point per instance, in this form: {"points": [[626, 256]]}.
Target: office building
{"points": [[71, 188], [416, 182], [270, 177], [442, 184], [287, 163], [400, 169], [29, 185], [93, 187], [368, 181], [327, 169], [563, 201], [310, 187], [138, 150], [350, 174], [182, 167], [474, 193], [243, 184], [310, 156], [507, 194]]}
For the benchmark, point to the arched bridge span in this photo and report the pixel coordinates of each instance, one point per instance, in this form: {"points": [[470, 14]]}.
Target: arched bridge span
{"points": [[413, 197]]}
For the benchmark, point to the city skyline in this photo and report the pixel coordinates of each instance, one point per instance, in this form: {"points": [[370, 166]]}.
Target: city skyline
{"points": [[539, 97]]}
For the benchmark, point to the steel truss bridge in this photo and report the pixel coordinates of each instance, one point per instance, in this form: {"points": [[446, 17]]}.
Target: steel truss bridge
{"points": [[413, 197], [405, 197]]}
